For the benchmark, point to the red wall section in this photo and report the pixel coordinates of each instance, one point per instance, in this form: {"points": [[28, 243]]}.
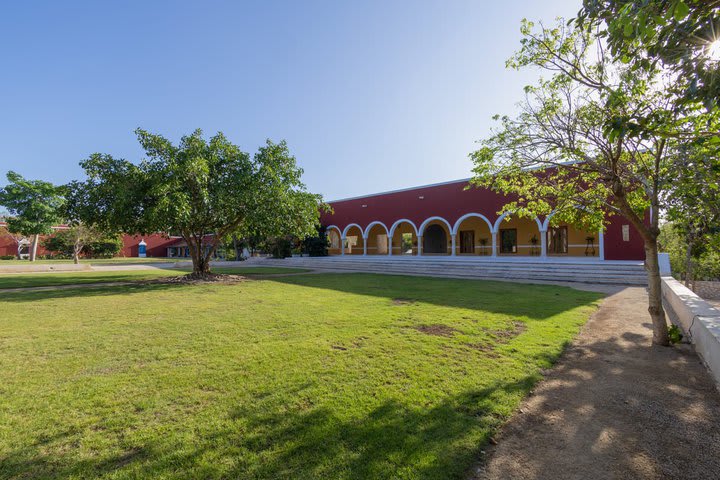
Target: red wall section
{"points": [[449, 201], [156, 245], [616, 248]]}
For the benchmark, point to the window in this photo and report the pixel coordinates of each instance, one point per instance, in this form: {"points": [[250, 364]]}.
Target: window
{"points": [[558, 240], [508, 240], [467, 241]]}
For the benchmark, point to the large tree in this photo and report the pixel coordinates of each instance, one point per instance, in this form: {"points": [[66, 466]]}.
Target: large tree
{"points": [[205, 190], [588, 142], [35, 206]]}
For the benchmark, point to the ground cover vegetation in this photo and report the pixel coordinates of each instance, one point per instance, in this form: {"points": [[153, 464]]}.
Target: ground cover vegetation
{"points": [[613, 131], [337, 376]]}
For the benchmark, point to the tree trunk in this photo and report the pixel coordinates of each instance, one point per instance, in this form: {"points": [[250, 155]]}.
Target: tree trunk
{"points": [[34, 247], [238, 253], [655, 308], [76, 253], [688, 265], [201, 267]]}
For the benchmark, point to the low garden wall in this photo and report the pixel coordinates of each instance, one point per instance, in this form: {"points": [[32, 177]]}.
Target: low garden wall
{"points": [[699, 321]]}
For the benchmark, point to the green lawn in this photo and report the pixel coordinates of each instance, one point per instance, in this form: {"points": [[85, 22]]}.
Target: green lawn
{"points": [[21, 280], [342, 376]]}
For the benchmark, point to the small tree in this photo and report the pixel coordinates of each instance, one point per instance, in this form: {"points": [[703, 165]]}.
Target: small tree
{"points": [[18, 238], [205, 190], [35, 206]]}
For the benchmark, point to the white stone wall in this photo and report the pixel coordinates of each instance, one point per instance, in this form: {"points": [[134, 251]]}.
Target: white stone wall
{"points": [[699, 321]]}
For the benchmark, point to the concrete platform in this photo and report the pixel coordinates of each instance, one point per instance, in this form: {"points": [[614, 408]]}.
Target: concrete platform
{"points": [[551, 269]]}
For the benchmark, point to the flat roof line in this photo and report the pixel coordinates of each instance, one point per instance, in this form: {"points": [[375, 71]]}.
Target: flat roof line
{"points": [[400, 190]]}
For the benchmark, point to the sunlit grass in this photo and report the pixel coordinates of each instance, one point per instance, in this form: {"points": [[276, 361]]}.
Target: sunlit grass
{"points": [[341, 376]]}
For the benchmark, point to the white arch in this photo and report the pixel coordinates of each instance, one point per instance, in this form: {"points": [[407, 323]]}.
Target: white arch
{"points": [[397, 224], [328, 228], [469, 215], [372, 224], [428, 220], [546, 223], [502, 217], [344, 232]]}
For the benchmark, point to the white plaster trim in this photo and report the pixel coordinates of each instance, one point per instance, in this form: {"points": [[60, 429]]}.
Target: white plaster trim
{"points": [[502, 217], [372, 224], [397, 224], [471, 215], [349, 226], [421, 230]]}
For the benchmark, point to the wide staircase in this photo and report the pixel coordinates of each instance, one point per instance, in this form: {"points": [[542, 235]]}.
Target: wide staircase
{"points": [[516, 269]]}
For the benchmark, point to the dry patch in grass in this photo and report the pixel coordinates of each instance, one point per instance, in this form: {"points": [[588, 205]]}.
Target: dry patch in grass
{"points": [[437, 329]]}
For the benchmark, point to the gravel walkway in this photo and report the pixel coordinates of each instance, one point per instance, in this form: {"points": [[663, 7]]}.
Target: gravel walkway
{"points": [[615, 407]]}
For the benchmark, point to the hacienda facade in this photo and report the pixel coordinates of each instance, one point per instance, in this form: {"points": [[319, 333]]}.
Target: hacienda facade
{"points": [[448, 219]]}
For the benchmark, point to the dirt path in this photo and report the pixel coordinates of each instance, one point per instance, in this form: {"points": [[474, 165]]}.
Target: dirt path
{"points": [[615, 407]]}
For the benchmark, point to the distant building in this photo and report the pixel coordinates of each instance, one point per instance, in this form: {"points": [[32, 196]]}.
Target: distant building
{"points": [[448, 219]]}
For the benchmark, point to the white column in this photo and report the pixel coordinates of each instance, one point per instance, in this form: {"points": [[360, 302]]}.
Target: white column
{"points": [[364, 246], [493, 234], [419, 238], [452, 253], [342, 245], [389, 245], [601, 244], [543, 243]]}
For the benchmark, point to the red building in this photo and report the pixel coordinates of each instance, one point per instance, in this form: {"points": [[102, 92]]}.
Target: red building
{"points": [[448, 219]]}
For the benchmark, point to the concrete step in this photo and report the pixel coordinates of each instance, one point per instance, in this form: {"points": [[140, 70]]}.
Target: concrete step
{"points": [[582, 272]]}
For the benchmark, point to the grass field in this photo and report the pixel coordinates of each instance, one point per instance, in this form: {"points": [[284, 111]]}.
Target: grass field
{"points": [[15, 280], [341, 376]]}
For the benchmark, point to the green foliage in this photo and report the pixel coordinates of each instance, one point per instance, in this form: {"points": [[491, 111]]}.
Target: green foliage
{"points": [[673, 34], [280, 247], [675, 334], [705, 255], [35, 205], [207, 191], [317, 245], [63, 242], [7, 257]]}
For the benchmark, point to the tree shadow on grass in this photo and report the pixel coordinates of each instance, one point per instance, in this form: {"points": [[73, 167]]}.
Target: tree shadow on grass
{"points": [[88, 291], [516, 299], [266, 441]]}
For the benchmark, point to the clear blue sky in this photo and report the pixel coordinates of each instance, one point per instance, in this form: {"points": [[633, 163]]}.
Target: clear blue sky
{"points": [[370, 95]]}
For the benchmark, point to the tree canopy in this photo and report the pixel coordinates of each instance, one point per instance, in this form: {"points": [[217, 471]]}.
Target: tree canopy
{"points": [[35, 206], [680, 36], [205, 190], [590, 141]]}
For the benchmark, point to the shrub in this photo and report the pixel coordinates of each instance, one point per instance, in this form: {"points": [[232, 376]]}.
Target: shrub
{"points": [[280, 247], [317, 246], [7, 257]]}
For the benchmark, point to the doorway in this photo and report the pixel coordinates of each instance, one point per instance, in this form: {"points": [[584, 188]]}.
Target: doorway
{"points": [[434, 240]]}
